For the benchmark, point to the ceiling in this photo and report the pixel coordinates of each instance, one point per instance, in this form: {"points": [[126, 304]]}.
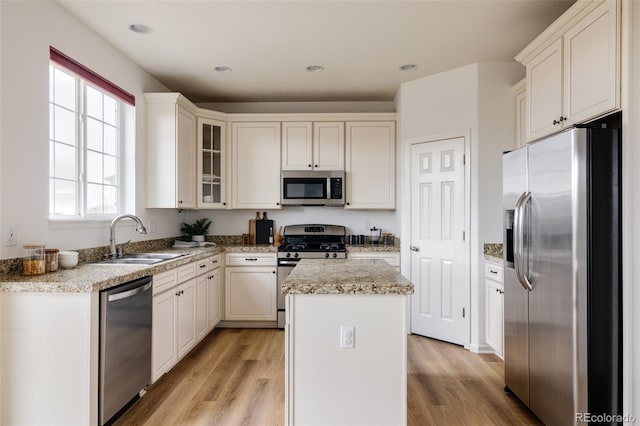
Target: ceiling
{"points": [[268, 44]]}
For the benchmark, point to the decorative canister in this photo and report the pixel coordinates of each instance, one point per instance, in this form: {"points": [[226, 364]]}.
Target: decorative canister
{"points": [[51, 260], [33, 261]]}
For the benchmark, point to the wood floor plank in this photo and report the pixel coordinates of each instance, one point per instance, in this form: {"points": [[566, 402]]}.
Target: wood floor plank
{"points": [[236, 377]]}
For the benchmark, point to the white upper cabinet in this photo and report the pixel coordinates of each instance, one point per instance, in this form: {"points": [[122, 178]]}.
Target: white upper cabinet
{"points": [[370, 172], [520, 92], [328, 146], [255, 155], [211, 164], [544, 89], [171, 151], [591, 62], [297, 145], [312, 146], [573, 68]]}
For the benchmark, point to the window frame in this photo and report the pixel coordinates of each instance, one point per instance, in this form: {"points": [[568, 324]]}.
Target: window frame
{"points": [[84, 79]]}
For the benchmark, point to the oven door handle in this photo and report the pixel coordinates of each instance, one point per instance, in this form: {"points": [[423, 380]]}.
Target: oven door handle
{"points": [[287, 262]]}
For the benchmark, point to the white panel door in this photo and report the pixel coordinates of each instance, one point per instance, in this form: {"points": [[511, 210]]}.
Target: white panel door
{"points": [[186, 317], [438, 258], [215, 299], [202, 305]]}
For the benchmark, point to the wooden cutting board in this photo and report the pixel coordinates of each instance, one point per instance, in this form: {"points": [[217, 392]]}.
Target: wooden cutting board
{"points": [[252, 228]]}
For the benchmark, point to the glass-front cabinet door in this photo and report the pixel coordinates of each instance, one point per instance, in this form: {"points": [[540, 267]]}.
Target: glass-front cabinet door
{"points": [[211, 158]]}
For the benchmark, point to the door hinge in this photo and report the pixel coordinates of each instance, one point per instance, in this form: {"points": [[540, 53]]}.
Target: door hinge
{"points": [[463, 313]]}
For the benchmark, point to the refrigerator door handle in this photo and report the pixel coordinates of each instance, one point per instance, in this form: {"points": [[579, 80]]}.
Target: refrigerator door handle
{"points": [[518, 236]]}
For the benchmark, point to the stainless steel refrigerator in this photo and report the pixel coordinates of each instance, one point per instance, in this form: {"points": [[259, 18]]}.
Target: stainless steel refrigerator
{"points": [[562, 253]]}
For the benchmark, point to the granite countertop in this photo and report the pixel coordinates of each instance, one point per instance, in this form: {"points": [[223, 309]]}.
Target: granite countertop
{"points": [[90, 277], [372, 248], [493, 252], [348, 276]]}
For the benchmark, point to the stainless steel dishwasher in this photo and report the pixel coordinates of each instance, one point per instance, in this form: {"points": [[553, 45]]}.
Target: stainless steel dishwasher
{"points": [[125, 346]]}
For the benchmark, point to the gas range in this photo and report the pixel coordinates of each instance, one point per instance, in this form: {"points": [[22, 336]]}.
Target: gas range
{"points": [[313, 242]]}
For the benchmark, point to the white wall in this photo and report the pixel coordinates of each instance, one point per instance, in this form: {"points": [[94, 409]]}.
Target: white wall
{"points": [[236, 222], [474, 99], [27, 31]]}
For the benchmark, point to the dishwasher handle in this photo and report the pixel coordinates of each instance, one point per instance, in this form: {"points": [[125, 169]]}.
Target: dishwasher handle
{"points": [[128, 293]]}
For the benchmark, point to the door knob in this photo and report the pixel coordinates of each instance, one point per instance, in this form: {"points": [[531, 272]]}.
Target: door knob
{"points": [[414, 248]]}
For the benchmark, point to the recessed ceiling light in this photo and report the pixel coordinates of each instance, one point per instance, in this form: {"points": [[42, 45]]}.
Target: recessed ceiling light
{"points": [[315, 68], [140, 28], [408, 67], [223, 68]]}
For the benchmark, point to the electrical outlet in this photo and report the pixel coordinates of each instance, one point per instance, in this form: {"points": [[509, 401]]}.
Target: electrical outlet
{"points": [[152, 227], [10, 238], [347, 337]]}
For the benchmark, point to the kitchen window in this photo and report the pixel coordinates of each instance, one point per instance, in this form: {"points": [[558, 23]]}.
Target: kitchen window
{"points": [[87, 116]]}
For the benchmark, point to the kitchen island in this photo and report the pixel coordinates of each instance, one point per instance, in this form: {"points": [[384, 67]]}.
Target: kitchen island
{"points": [[345, 343]]}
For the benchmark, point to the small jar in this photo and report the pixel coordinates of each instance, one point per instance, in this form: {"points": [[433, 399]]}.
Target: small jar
{"points": [[33, 262], [51, 260]]}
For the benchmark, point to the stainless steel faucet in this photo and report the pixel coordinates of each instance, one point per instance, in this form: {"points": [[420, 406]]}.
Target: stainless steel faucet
{"points": [[113, 250]]}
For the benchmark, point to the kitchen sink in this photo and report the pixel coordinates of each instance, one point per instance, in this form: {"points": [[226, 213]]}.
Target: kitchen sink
{"points": [[140, 259]]}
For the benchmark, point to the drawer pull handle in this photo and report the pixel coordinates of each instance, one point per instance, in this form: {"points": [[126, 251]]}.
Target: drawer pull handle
{"points": [[252, 259], [493, 271], [202, 266], [214, 261]]}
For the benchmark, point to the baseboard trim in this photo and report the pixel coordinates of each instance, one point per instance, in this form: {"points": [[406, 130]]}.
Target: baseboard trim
{"points": [[247, 324], [480, 349]]}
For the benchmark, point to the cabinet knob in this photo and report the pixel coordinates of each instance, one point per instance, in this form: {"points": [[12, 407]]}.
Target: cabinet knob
{"points": [[414, 248], [316, 166], [224, 204], [277, 204], [348, 203], [273, 272], [309, 165]]}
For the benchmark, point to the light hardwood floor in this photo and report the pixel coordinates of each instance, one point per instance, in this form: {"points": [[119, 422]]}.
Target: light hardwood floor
{"points": [[236, 377]]}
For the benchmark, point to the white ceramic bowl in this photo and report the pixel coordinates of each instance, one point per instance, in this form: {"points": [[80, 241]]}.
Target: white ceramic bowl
{"points": [[68, 259]]}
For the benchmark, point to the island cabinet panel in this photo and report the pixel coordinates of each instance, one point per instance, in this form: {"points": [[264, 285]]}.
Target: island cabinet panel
{"points": [[325, 384], [49, 358]]}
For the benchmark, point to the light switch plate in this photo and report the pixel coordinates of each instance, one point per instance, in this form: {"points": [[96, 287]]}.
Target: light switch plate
{"points": [[10, 238]]}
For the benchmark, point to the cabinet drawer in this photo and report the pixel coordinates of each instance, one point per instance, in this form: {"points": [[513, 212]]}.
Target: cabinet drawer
{"points": [[215, 261], [203, 266], [249, 259], [493, 271], [164, 281], [186, 272]]}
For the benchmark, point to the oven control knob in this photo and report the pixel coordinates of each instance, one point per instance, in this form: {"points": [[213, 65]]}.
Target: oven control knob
{"points": [[288, 254], [326, 255], [296, 255], [335, 255]]}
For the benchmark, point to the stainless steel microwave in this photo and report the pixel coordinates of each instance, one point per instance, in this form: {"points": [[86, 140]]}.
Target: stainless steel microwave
{"points": [[312, 188]]}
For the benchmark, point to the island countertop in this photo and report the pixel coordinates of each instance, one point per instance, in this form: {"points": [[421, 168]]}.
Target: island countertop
{"points": [[345, 276]]}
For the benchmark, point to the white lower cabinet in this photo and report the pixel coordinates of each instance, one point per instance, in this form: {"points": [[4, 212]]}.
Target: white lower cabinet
{"points": [[186, 317], [250, 291], [494, 307], [164, 349], [186, 307]]}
